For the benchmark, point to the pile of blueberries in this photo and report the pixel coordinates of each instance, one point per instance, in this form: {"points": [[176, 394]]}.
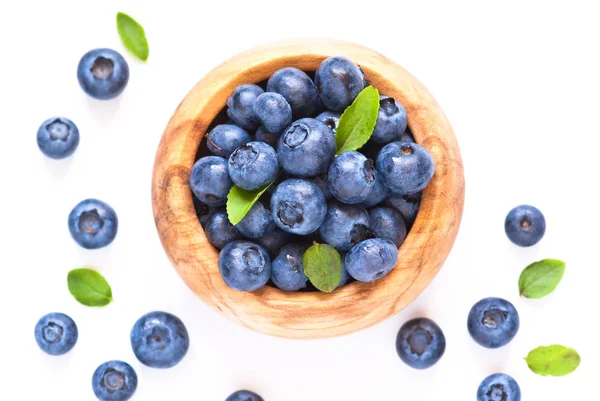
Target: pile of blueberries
{"points": [[287, 134]]}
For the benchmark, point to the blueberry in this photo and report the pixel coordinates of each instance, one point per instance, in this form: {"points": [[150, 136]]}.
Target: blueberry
{"points": [[58, 137], [525, 225], [345, 275], [406, 205], [407, 136], [386, 223], [269, 138], [56, 333], [225, 138], [499, 387], [351, 177], [306, 148], [244, 265], [378, 193], [339, 81], [405, 167], [298, 206], [240, 106], [391, 121], [244, 395], [219, 231], [253, 165], [103, 73], [493, 322], [93, 224], [345, 225], [420, 343], [322, 182], [210, 181], [203, 211], [331, 119], [371, 259], [114, 381], [273, 241], [257, 222], [159, 340], [273, 111], [298, 89], [288, 272]]}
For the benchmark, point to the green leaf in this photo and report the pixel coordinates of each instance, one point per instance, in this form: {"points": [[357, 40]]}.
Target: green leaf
{"points": [[133, 36], [554, 360], [89, 287], [358, 121], [541, 278], [239, 201], [323, 266]]}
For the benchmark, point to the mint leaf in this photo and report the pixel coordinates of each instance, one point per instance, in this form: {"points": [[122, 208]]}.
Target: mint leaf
{"points": [[541, 278], [358, 121], [239, 201], [554, 360], [133, 36], [89, 287], [323, 266]]}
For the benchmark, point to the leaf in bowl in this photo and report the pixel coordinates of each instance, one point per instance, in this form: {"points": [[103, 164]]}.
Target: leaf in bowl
{"points": [[323, 266], [358, 121], [240, 201]]}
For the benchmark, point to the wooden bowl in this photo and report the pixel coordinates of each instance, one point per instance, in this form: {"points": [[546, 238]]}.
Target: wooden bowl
{"points": [[307, 314]]}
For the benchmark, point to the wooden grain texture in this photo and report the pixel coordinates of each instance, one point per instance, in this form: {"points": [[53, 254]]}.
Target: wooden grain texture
{"points": [[307, 315]]}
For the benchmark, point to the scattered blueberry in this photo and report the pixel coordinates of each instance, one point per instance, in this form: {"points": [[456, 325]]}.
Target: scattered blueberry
{"points": [[159, 340], [525, 225], [499, 387], [240, 106], [297, 88], [269, 138], [371, 259], [210, 181], [257, 222], [93, 224], [420, 343], [405, 167], [351, 177], [386, 223], [244, 266], [306, 148], [323, 183], [493, 322], [345, 225], [391, 121], [330, 118], [378, 193], [103, 73], [339, 81], [219, 231], [406, 205], [288, 272], [273, 240], [298, 206], [114, 381], [225, 138], [56, 333], [253, 165], [58, 137], [244, 395], [273, 112]]}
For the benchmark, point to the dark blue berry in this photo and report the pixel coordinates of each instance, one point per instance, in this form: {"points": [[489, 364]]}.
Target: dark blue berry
{"points": [[339, 81], [407, 136], [58, 137], [210, 181], [378, 193], [371, 259], [298, 89], [499, 387], [56, 333], [240, 106], [103, 73], [493, 322], [351, 177], [273, 240], [219, 231], [93, 224], [386, 223], [273, 112], [244, 265], [298, 206], [114, 381], [345, 225], [203, 211], [406, 205], [391, 121], [331, 119], [345, 275], [525, 225], [257, 222], [420, 343], [225, 138], [405, 167], [270, 138], [288, 271], [244, 395], [253, 165]]}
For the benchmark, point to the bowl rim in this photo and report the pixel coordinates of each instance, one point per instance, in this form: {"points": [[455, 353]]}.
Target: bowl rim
{"points": [[307, 314]]}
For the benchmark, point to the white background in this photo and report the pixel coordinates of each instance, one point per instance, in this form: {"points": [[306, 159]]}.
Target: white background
{"points": [[519, 83]]}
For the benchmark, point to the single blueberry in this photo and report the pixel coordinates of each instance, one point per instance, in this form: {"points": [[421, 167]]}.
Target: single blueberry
{"points": [[219, 231], [253, 165], [244, 265], [203, 211], [386, 223], [493, 322], [378, 193], [345, 275], [420, 343], [298, 206], [351, 177], [114, 381], [56, 333], [103, 73], [391, 121], [406, 205], [273, 241], [225, 138], [339, 81], [499, 387], [288, 272], [210, 181], [331, 119], [257, 222], [525, 225], [371, 259], [244, 395], [273, 112], [93, 224], [407, 136], [322, 182], [345, 225], [269, 138], [405, 167], [298, 89], [58, 137], [240, 106], [306, 148], [159, 340]]}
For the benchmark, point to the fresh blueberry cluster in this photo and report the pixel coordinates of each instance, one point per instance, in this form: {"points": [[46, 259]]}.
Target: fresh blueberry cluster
{"points": [[360, 202]]}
